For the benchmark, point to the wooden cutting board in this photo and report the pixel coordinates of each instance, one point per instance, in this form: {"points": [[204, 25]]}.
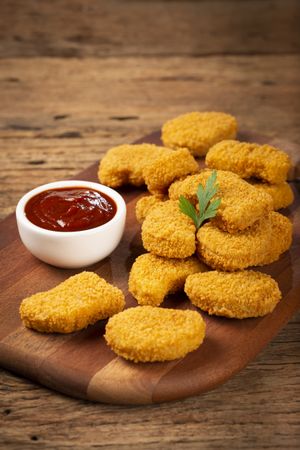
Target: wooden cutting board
{"points": [[81, 365]]}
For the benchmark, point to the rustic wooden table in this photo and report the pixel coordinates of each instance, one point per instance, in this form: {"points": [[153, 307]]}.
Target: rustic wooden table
{"points": [[77, 77]]}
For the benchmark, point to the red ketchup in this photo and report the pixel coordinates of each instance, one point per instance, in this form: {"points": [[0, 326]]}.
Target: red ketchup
{"points": [[70, 209]]}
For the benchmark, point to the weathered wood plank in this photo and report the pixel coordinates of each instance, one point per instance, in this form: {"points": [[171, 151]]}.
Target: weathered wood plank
{"points": [[71, 28], [258, 408], [58, 116]]}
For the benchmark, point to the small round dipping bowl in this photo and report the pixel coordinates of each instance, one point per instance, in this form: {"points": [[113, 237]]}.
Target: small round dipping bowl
{"points": [[72, 249]]}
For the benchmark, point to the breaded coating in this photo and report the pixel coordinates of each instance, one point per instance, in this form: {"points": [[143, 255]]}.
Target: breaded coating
{"points": [[241, 204], [148, 333], [264, 162], [198, 131], [237, 295], [260, 244], [282, 193], [146, 204], [72, 305], [125, 164], [159, 174], [167, 232], [152, 278]]}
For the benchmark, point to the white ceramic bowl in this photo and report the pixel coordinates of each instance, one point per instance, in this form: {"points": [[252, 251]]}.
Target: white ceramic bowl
{"points": [[72, 249]]}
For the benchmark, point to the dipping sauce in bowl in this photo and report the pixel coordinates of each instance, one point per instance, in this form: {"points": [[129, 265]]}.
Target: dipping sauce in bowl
{"points": [[70, 209], [71, 224]]}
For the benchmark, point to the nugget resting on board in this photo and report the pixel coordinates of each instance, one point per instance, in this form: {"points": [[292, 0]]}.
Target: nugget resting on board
{"points": [[282, 194], [125, 164], [241, 204], [238, 294], [260, 244], [72, 305], [152, 277], [161, 172], [146, 204], [198, 131], [168, 232], [148, 333], [264, 162]]}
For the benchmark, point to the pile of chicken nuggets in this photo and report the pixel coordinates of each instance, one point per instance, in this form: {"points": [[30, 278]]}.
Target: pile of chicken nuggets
{"points": [[209, 263]]}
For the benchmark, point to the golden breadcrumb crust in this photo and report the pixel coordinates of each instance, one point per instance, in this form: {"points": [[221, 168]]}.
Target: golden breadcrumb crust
{"points": [[238, 294], [146, 204], [282, 193], [125, 164], [168, 232], [250, 160], [241, 204], [149, 334], [260, 244], [152, 278], [72, 305], [161, 172], [198, 131]]}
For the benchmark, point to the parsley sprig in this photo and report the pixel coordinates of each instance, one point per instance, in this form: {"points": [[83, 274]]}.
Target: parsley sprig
{"points": [[207, 207]]}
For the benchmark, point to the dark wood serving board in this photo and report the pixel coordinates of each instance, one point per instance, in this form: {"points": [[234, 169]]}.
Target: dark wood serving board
{"points": [[81, 365]]}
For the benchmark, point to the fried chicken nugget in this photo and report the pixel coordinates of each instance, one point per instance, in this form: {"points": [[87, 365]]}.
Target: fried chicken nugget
{"points": [[161, 172], [167, 232], [250, 160], [282, 194], [125, 164], [146, 204], [72, 305], [152, 278], [198, 131], [241, 204], [260, 244], [238, 294], [148, 333]]}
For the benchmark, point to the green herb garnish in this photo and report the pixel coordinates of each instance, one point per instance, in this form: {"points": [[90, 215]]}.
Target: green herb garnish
{"points": [[207, 207]]}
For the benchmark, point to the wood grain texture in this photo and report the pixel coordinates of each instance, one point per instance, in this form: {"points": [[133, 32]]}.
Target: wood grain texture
{"points": [[50, 129], [81, 364], [252, 410], [71, 28]]}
